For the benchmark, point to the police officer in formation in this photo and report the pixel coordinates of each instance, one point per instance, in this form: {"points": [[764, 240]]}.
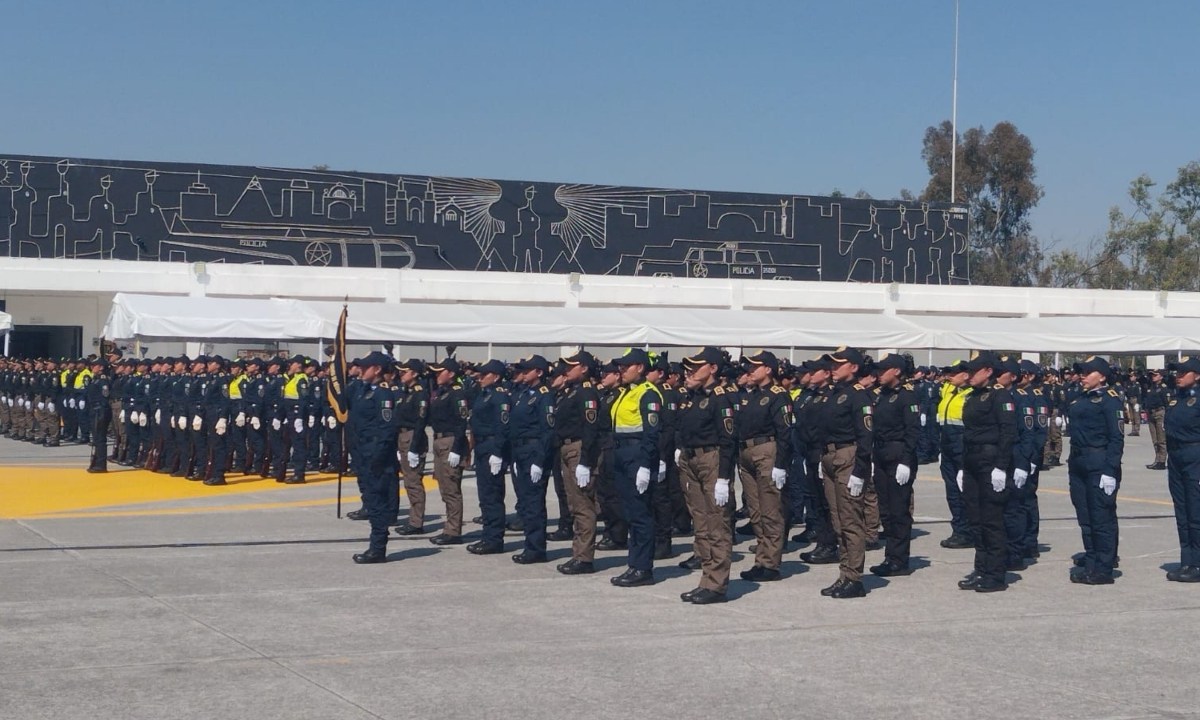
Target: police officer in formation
{"points": [[833, 427]]}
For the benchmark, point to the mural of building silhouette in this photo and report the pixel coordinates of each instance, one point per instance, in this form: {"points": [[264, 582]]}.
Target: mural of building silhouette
{"points": [[175, 212]]}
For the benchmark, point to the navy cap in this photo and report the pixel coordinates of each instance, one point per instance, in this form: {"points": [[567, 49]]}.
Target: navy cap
{"points": [[1183, 365], [707, 356], [893, 360], [1092, 364], [583, 357], [633, 356], [278, 361], [414, 364], [375, 359], [845, 354], [496, 367], [446, 364], [200, 359], [533, 362], [763, 357], [1029, 367], [985, 359], [959, 366], [1009, 364], [296, 359], [659, 361]]}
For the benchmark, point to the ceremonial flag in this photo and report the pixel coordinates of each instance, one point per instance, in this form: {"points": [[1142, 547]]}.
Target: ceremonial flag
{"points": [[335, 389]]}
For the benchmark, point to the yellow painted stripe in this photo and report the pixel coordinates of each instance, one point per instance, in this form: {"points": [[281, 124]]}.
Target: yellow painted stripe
{"points": [[38, 491]]}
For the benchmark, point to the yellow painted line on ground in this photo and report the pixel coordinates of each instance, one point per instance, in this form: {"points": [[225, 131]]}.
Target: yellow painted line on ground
{"points": [[27, 492]]}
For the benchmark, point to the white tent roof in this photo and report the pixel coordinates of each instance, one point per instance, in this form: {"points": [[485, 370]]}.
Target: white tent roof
{"points": [[5, 322], [171, 316], [205, 318]]}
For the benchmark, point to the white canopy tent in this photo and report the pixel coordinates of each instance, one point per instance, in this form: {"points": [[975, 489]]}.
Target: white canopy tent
{"points": [[147, 317], [5, 328]]}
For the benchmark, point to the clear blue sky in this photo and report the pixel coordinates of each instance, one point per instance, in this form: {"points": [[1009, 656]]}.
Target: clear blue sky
{"points": [[788, 96]]}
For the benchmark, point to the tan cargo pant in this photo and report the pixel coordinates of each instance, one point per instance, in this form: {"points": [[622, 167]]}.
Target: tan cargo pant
{"points": [[848, 513], [871, 510], [413, 487], [712, 523], [1158, 435], [449, 480], [581, 501], [763, 502], [118, 427]]}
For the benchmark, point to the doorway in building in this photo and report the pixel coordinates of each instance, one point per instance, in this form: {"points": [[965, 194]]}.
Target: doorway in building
{"points": [[57, 341]]}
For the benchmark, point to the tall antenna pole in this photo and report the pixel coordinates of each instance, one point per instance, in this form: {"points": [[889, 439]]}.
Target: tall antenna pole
{"points": [[954, 111]]}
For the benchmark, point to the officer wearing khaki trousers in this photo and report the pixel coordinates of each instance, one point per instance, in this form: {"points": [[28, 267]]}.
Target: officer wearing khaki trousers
{"points": [[764, 425], [706, 453], [845, 431], [413, 408], [577, 425], [449, 413]]}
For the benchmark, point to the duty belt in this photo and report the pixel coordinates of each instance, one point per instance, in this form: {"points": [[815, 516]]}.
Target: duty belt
{"points": [[700, 450], [440, 435], [831, 447], [566, 440], [760, 440]]}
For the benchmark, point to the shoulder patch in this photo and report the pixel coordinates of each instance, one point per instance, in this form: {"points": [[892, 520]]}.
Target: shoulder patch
{"points": [[718, 390], [543, 389]]}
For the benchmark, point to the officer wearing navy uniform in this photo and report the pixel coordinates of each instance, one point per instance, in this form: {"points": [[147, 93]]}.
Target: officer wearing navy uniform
{"points": [[577, 423], [1027, 457], [1096, 417], [490, 415], [449, 412], [217, 408], [294, 412], [1181, 425], [636, 427], [897, 437], [372, 413], [531, 437], [989, 432], [97, 393], [1154, 402]]}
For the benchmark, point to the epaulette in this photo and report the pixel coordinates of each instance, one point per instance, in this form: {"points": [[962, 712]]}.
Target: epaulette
{"points": [[543, 389], [1112, 393], [1037, 391], [909, 386], [857, 386], [417, 387], [876, 391], [1021, 391], [718, 390], [777, 389], [456, 386], [587, 383]]}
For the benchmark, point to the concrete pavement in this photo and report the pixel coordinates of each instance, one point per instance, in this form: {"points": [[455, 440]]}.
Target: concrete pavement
{"points": [[246, 605]]}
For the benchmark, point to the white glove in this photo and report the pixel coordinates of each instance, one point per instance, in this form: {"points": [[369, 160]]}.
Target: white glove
{"points": [[1032, 468], [120, 415], [721, 492], [133, 417], [240, 420], [678, 454], [583, 475], [158, 416], [454, 459], [413, 459], [276, 424], [221, 426], [804, 467], [642, 481], [958, 479], [923, 419], [50, 407], [331, 422], [535, 474], [662, 471], [1019, 477], [197, 422], [779, 477], [1137, 408], [70, 403], [256, 423], [998, 479], [903, 474], [312, 420], [28, 404], [1058, 421], [855, 483], [495, 464], [142, 421], [42, 406], [1108, 484], [298, 425], [171, 422], [82, 404]]}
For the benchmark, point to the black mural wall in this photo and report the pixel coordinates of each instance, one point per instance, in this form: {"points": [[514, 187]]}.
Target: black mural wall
{"points": [[75, 208]]}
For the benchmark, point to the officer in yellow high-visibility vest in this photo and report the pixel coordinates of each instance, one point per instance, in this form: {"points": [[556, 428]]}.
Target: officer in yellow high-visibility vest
{"points": [[295, 409], [949, 418], [238, 383], [636, 427]]}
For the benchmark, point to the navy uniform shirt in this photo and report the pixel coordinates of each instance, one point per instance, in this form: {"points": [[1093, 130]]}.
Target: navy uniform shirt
{"points": [[990, 418], [449, 411], [413, 412], [704, 418], [897, 419], [767, 412], [577, 417], [372, 415], [490, 417], [1098, 430], [844, 417], [1031, 424], [532, 420], [1182, 419], [1156, 397]]}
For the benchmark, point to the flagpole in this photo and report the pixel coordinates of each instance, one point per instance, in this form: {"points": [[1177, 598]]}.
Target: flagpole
{"points": [[341, 469], [954, 111]]}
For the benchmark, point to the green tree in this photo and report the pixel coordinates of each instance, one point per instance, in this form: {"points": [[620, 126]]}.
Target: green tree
{"points": [[995, 178]]}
